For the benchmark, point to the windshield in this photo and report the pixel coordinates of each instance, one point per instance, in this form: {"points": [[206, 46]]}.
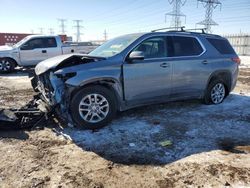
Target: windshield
{"points": [[20, 42], [114, 46]]}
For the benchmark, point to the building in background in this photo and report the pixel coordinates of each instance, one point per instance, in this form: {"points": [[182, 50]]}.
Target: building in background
{"points": [[240, 43], [13, 38]]}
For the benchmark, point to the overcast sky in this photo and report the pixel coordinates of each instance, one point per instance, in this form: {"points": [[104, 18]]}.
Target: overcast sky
{"points": [[116, 16]]}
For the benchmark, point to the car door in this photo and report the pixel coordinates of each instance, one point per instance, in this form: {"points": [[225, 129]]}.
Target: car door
{"points": [[150, 78], [190, 66], [33, 51], [52, 48]]}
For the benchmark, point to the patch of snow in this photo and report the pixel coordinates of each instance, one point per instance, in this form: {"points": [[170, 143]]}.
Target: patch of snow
{"points": [[245, 62], [191, 127]]}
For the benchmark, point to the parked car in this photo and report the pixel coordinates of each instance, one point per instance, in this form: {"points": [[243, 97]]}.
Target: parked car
{"points": [[135, 70], [36, 48]]}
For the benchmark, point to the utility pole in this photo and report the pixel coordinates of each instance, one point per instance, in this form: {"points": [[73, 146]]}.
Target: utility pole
{"points": [[176, 13], [62, 25], [210, 5], [105, 34], [40, 30], [51, 31], [78, 27]]}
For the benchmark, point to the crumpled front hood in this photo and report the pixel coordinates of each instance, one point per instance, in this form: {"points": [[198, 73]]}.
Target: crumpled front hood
{"points": [[54, 62]]}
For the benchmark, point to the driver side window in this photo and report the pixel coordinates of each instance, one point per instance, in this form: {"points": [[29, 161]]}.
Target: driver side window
{"points": [[153, 48], [33, 44]]}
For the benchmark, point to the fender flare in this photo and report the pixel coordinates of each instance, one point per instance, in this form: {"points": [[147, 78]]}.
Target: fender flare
{"points": [[11, 58], [223, 74], [109, 82]]}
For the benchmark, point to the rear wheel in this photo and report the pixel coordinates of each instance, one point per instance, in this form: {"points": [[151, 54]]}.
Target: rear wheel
{"points": [[7, 65], [93, 107], [216, 92]]}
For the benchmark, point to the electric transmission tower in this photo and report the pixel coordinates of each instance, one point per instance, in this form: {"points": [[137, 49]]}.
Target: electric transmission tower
{"points": [[41, 30], [62, 25], [176, 13], [210, 5], [78, 27], [105, 34], [51, 31]]}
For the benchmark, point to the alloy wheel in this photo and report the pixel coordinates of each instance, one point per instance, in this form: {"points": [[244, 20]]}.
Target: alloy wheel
{"points": [[5, 65], [218, 93], [94, 108]]}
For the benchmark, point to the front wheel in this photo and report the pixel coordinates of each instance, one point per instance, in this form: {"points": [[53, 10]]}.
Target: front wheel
{"points": [[7, 65], [216, 92], [93, 107]]}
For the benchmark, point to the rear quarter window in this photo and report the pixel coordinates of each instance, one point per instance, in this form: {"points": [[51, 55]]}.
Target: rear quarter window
{"points": [[50, 42], [221, 45]]}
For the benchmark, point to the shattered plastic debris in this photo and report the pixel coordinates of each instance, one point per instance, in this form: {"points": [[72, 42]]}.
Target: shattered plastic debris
{"points": [[166, 143], [7, 115], [28, 116]]}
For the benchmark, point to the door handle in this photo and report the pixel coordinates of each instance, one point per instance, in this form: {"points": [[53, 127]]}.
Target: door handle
{"points": [[44, 51], [164, 65], [205, 62]]}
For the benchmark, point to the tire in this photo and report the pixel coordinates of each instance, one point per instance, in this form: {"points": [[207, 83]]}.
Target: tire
{"points": [[93, 114], [7, 65], [216, 92]]}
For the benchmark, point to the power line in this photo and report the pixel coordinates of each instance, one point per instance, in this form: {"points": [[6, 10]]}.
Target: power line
{"points": [[62, 25], [78, 27], [210, 5], [176, 13], [129, 9]]}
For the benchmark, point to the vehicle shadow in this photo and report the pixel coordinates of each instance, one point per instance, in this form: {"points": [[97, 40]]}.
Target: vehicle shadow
{"points": [[19, 135], [19, 72], [137, 136]]}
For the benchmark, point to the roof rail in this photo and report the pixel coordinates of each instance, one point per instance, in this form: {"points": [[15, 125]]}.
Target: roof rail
{"points": [[181, 29], [201, 29], [169, 28]]}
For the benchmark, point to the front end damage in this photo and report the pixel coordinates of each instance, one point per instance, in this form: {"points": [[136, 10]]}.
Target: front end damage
{"points": [[55, 93], [51, 81], [53, 98]]}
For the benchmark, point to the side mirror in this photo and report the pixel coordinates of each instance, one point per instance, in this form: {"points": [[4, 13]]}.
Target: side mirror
{"points": [[25, 47], [136, 55]]}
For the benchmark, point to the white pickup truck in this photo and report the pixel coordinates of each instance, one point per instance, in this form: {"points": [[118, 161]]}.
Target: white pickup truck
{"points": [[35, 48]]}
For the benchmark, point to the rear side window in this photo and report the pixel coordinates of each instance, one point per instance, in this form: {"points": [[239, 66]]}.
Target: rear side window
{"points": [[50, 42], [221, 45], [185, 46]]}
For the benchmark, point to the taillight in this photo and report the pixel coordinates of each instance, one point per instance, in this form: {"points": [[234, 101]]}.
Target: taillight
{"points": [[236, 60]]}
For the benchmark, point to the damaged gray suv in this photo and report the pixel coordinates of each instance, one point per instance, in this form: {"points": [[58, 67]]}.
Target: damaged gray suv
{"points": [[135, 70]]}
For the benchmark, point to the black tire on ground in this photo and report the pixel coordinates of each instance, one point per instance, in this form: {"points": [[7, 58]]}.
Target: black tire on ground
{"points": [[81, 94], [208, 93], [7, 65]]}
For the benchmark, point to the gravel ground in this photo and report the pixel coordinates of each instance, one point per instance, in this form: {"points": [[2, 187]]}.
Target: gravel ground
{"points": [[209, 146]]}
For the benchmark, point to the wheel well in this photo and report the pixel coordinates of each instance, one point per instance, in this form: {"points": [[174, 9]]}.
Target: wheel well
{"points": [[10, 59], [104, 83], [225, 77]]}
